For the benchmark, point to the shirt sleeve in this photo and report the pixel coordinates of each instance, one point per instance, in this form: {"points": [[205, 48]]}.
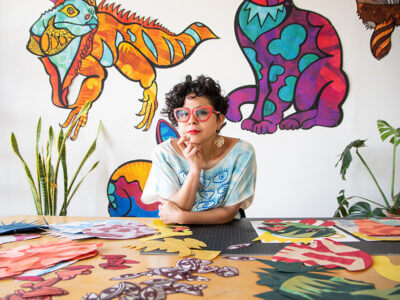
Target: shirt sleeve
{"points": [[162, 182], [243, 179]]}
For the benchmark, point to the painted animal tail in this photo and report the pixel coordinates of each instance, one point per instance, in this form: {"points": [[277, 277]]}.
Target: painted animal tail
{"points": [[172, 49], [381, 38]]}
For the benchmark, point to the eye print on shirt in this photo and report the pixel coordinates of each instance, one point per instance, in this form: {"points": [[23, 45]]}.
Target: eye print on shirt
{"points": [[206, 194], [222, 189], [182, 176], [220, 177]]}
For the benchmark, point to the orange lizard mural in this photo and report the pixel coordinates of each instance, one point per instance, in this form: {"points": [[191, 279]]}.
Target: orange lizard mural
{"points": [[81, 37]]}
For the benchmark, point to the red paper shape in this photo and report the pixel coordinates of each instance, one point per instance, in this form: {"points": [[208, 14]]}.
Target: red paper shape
{"points": [[27, 257], [327, 253]]}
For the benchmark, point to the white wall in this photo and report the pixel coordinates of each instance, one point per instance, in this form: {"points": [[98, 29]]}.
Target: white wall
{"points": [[297, 174]]}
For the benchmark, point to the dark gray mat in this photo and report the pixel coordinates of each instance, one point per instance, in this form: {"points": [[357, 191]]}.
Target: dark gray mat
{"points": [[219, 237]]}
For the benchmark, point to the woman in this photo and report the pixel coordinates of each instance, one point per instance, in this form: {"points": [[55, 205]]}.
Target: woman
{"points": [[202, 178]]}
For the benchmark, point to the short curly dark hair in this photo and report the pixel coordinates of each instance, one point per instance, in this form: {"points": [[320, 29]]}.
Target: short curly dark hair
{"points": [[202, 86]]}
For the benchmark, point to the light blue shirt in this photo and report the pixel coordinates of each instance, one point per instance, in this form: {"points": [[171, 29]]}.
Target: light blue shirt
{"points": [[232, 180]]}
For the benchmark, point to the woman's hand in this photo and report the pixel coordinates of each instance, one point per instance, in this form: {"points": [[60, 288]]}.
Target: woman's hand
{"points": [[192, 153], [169, 212]]}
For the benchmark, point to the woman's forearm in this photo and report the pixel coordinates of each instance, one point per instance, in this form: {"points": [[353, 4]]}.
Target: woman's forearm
{"points": [[218, 215], [184, 198]]}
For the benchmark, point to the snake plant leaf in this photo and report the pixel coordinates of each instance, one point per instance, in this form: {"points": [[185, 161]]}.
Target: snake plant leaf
{"points": [[396, 203], [90, 151], [386, 131], [32, 186], [64, 208], [346, 157], [63, 158]]}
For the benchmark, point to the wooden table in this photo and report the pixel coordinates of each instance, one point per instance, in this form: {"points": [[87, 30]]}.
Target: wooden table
{"points": [[240, 287]]}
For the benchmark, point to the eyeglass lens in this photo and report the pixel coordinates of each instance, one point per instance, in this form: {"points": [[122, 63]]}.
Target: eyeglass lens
{"points": [[201, 114]]}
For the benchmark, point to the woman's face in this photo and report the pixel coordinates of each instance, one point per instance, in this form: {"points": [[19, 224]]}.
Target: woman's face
{"points": [[200, 132]]}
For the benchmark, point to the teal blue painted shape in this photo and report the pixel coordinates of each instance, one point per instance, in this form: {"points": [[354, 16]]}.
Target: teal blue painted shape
{"points": [[275, 71], [107, 58], [171, 50], [63, 60], [118, 39], [183, 48], [255, 20], [269, 108], [149, 43], [193, 34], [288, 46], [132, 36], [252, 56], [286, 92], [111, 188], [306, 60]]}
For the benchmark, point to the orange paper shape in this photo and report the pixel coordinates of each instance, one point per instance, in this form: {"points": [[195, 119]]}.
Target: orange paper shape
{"points": [[20, 259], [372, 228]]}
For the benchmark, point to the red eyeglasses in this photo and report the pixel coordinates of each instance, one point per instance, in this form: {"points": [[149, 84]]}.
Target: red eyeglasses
{"points": [[201, 114]]}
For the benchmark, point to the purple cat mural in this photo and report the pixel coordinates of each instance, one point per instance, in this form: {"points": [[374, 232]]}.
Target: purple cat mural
{"points": [[296, 58]]}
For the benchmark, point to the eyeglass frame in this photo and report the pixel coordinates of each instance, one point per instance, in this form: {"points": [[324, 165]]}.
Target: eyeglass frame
{"points": [[192, 112]]}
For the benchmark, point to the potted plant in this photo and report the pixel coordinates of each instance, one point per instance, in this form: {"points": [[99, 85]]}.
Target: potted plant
{"points": [[390, 205], [45, 190]]}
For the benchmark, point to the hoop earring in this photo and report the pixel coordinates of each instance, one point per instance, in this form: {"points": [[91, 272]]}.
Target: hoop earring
{"points": [[219, 141]]}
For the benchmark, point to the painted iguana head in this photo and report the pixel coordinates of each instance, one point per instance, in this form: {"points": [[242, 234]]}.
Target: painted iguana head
{"points": [[57, 27]]}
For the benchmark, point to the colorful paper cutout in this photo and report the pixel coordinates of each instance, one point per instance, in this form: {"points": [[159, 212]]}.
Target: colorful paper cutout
{"points": [[129, 230], [34, 275], [17, 237], [21, 226], [238, 246], [166, 231], [184, 247], [45, 288], [373, 228], [327, 253], [296, 281], [240, 257], [116, 262], [295, 231], [185, 269], [385, 268], [17, 260]]}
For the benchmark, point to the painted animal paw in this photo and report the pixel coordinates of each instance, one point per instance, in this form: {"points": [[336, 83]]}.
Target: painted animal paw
{"points": [[76, 120], [149, 107], [262, 127]]}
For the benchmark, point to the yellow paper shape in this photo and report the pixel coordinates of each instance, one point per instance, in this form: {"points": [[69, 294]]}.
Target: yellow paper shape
{"points": [[205, 254], [268, 237], [195, 244], [166, 231], [175, 245], [376, 238], [385, 268]]}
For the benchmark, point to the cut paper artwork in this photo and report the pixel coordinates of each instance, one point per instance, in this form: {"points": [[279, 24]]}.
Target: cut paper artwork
{"points": [[382, 16], [295, 231], [78, 37], [186, 269], [327, 253], [20, 259], [45, 288], [116, 262], [21, 226], [296, 59], [382, 229], [296, 281], [9, 238], [386, 268], [107, 229], [184, 247]]}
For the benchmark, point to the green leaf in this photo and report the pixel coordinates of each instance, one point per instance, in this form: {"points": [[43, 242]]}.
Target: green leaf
{"points": [[15, 148], [378, 212], [346, 157], [343, 202], [386, 131], [360, 209]]}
